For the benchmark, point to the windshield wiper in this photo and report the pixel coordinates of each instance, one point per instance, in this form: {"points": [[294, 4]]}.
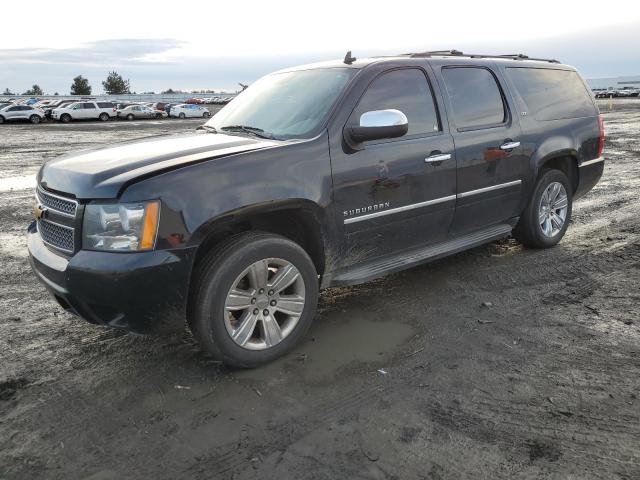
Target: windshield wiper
{"points": [[258, 132], [207, 128]]}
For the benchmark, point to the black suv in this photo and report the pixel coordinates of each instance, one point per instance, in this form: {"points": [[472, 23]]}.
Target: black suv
{"points": [[317, 176]]}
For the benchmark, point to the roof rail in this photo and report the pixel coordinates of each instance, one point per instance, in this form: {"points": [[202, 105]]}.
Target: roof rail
{"points": [[458, 53]]}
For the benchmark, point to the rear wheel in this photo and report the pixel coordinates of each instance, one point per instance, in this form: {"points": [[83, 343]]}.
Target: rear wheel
{"points": [[546, 217], [254, 298], [104, 116], [158, 115], [65, 118], [1, 119]]}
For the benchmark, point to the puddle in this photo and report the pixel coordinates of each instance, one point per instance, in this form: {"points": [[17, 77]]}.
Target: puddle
{"points": [[22, 182], [342, 338]]}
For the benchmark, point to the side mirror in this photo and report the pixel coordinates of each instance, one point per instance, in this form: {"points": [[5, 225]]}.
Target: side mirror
{"points": [[378, 125]]}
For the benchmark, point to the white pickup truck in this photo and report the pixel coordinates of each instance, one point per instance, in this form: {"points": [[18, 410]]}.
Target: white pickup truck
{"points": [[85, 111]]}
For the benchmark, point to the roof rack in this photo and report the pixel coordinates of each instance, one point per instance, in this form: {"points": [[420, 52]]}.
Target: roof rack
{"points": [[458, 53]]}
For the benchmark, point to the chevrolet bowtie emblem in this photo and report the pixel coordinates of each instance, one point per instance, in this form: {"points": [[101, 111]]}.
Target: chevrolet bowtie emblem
{"points": [[39, 212]]}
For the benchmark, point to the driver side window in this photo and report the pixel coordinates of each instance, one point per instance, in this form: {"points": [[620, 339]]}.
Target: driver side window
{"points": [[406, 90]]}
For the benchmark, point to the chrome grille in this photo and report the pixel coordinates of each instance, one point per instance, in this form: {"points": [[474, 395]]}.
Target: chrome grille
{"points": [[62, 205], [56, 235]]}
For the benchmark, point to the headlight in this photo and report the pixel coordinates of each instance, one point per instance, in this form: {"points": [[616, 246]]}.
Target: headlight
{"points": [[123, 227]]}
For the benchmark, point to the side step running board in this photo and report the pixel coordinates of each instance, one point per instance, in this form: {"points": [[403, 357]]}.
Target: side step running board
{"points": [[384, 266]]}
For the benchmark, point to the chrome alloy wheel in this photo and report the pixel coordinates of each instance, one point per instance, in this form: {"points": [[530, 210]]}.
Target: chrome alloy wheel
{"points": [[552, 211], [264, 304]]}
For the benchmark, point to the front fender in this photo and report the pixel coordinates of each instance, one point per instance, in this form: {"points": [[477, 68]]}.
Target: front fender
{"points": [[196, 195]]}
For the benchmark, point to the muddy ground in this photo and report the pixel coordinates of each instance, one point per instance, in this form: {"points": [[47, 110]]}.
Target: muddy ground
{"points": [[496, 363]]}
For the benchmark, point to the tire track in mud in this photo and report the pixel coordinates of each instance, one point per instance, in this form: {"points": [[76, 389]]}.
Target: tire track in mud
{"points": [[548, 269]]}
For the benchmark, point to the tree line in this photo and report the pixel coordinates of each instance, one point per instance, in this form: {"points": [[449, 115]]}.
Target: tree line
{"points": [[114, 84]]}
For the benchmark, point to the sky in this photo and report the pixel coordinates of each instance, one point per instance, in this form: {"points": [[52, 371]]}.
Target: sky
{"points": [[197, 44]]}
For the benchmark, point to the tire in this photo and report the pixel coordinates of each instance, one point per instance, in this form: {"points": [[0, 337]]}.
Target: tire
{"points": [[65, 118], [130, 117], [529, 230], [182, 116], [35, 119], [158, 115], [206, 114], [220, 271], [104, 117], [1, 119]]}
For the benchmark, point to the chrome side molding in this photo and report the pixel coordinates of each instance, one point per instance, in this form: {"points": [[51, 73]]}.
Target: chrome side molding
{"points": [[435, 201], [591, 162]]}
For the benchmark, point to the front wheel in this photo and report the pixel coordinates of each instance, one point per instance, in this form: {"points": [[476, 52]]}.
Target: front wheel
{"points": [[254, 299], [34, 119], [1, 119], [206, 114], [182, 116], [546, 217], [130, 116], [65, 118]]}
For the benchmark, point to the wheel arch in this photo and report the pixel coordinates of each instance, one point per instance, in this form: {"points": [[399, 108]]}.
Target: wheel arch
{"points": [[299, 220], [564, 160]]}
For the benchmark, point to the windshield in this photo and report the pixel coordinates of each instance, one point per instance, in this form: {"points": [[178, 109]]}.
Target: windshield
{"points": [[285, 105]]}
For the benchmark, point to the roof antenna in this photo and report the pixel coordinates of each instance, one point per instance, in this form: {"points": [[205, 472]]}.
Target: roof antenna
{"points": [[348, 59]]}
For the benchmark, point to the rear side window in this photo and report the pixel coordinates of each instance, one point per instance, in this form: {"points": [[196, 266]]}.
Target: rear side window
{"points": [[88, 105], [105, 105], [406, 90], [552, 94], [475, 97]]}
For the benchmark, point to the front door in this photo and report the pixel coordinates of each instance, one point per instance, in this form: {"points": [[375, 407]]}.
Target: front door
{"points": [[391, 195], [491, 162]]}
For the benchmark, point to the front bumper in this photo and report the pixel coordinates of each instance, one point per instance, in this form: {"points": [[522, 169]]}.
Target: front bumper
{"points": [[145, 292]]}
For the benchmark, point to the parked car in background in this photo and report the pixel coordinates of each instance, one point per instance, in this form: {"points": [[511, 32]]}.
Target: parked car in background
{"points": [[58, 104], [21, 112], [84, 111], [139, 111], [194, 101], [159, 106], [189, 111]]}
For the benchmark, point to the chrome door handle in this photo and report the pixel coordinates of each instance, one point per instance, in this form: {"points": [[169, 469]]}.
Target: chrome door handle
{"points": [[440, 157], [509, 145]]}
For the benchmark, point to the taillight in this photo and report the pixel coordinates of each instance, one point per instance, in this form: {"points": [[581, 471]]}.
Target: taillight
{"points": [[601, 144]]}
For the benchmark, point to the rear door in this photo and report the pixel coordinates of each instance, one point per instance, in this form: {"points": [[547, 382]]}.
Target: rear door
{"points": [[388, 196], [89, 110], [491, 162]]}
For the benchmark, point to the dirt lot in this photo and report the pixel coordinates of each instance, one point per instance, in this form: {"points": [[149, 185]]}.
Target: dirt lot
{"points": [[497, 363]]}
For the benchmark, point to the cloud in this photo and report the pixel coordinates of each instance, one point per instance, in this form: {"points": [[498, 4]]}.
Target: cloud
{"points": [[103, 52], [155, 64]]}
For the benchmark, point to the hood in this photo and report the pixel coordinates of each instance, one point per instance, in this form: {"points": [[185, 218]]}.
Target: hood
{"points": [[103, 172]]}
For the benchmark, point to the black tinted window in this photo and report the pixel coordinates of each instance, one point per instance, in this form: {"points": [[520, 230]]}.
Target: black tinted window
{"points": [[405, 90], [88, 105], [552, 94], [13, 109], [475, 97], [105, 105]]}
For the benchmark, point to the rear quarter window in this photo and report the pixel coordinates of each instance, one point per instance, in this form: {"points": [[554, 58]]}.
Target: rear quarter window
{"points": [[105, 105], [551, 94]]}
